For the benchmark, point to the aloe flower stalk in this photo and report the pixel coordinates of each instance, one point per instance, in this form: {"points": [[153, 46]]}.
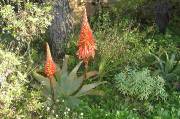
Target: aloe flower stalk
{"points": [[50, 68], [86, 43]]}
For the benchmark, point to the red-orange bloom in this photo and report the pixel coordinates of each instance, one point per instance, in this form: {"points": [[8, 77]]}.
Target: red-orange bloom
{"points": [[50, 67], [86, 43]]}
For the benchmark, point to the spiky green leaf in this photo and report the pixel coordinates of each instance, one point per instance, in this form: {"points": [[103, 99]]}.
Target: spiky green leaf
{"points": [[72, 102], [90, 74], [58, 73], [177, 69], [65, 67], [68, 87], [46, 88], [41, 79], [95, 92], [73, 74], [69, 84], [86, 88], [169, 63]]}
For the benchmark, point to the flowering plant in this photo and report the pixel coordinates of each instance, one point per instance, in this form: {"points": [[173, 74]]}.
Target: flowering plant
{"points": [[59, 83]]}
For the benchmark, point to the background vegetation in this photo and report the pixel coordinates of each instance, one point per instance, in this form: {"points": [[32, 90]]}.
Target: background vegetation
{"points": [[140, 65]]}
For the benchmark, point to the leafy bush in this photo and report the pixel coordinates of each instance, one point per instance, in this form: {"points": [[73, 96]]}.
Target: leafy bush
{"points": [[8, 61], [121, 45], [16, 101], [140, 85], [12, 83], [24, 25]]}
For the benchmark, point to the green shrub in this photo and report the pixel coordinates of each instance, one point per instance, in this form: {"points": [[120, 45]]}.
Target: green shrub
{"points": [[16, 101], [121, 45], [140, 85], [8, 61], [24, 25], [12, 82]]}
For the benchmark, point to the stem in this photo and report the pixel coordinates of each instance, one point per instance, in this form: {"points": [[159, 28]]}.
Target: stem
{"points": [[52, 94], [52, 90], [86, 69]]}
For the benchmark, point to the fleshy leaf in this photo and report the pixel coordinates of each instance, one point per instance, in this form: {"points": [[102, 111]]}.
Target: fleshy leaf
{"points": [[58, 73], [94, 92], [87, 88], [68, 87], [46, 92], [72, 102], [46, 89], [64, 67], [70, 84], [64, 71], [73, 74], [177, 68], [90, 74], [43, 80]]}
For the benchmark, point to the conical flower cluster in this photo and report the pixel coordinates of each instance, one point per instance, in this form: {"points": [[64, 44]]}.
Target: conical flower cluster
{"points": [[50, 67], [86, 43]]}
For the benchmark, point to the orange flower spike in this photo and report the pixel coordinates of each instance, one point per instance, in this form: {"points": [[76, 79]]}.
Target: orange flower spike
{"points": [[50, 67], [86, 43]]}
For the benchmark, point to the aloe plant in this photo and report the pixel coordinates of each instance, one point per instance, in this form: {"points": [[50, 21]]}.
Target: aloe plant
{"points": [[68, 85], [169, 67]]}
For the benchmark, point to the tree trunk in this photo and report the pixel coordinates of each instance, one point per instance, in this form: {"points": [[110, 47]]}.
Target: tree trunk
{"points": [[62, 25], [162, 15]]}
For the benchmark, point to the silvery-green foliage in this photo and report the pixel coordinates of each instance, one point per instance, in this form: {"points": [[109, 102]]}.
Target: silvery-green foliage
{"points": [[140, 85]]}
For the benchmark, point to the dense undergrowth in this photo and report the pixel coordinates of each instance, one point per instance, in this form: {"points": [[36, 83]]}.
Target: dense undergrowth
{"points": [[140, 65]]}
